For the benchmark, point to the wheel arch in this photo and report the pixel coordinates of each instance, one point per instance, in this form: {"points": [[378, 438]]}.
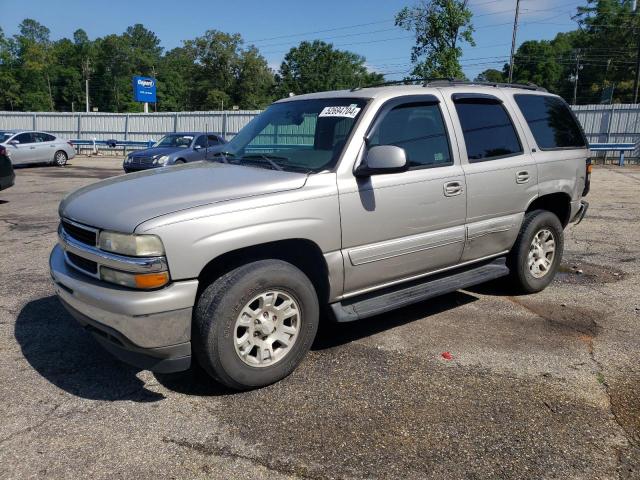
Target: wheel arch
{"points": [[302, 253], [558, 203]]}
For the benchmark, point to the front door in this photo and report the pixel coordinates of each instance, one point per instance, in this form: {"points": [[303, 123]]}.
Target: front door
{"points": [[501, 174], [400, 225], [24, 151]]}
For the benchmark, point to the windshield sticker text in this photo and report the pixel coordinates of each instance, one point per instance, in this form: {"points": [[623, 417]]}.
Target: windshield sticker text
{"points": [[340, 111]]}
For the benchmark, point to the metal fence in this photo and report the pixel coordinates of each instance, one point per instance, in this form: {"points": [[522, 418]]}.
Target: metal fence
{"points": [[602, 123], [611, 124], [139, 127]]}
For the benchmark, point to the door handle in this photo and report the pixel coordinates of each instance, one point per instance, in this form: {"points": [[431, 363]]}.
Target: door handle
{"points": [[522, 177], [32, 148], [451, 189]]}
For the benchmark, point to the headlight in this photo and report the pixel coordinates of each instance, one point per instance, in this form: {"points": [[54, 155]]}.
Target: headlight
{"points": [[134, 280], [161, 160], [131, 245], [128, 159]]}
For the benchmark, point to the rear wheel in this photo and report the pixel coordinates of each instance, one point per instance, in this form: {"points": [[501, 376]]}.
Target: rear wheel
{"points": [[60, 158], [537, 253], [254, 325], [179, 162]]}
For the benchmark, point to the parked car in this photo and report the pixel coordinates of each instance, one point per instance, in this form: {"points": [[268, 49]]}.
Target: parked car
{"points": [[361, 201], [27, 147], [173, 149], [7, 176]]}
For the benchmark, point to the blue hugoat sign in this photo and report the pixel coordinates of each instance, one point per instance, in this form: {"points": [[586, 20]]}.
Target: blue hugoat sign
{"points": [[144, 89]]}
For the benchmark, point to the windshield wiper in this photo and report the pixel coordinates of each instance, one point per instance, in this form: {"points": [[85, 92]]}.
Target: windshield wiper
{"points": [[267, 158]]}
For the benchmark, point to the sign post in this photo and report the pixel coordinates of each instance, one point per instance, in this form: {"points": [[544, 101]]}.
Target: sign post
{"points": [[144, 90]]}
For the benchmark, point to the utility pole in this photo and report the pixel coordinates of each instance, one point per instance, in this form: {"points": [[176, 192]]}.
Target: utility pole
{"points": [[86, 70], [513, 40], [637, 79], [576, 77]]}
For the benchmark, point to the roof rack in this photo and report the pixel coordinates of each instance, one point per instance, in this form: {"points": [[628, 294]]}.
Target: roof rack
{"points": [[447, 82], [406, 81]]}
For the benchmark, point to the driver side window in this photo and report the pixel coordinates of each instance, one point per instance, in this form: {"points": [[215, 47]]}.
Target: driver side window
{"points": [[24, 138], [201, 142], [419, 129]]}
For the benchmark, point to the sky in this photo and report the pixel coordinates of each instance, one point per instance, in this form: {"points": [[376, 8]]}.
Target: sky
{"points": [[362, 26]]}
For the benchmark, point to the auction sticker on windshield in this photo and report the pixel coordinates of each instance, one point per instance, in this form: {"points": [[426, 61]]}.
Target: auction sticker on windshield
{"points": [[340, 111]]}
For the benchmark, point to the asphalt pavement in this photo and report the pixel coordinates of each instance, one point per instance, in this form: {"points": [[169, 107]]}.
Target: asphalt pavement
{"points": [[473, 385]]}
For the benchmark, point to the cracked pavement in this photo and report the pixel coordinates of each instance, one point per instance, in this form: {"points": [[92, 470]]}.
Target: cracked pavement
{"points": [[539, 386]]}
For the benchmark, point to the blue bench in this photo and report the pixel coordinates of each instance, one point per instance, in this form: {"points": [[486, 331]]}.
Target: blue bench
{"points": [[620, 147]]}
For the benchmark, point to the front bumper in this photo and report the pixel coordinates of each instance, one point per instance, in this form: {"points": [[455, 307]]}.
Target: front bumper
{"points": [[148, 329], [138, 168], [7, 181]]}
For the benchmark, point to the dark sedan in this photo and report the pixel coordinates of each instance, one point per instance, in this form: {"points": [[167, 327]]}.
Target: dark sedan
{"points": [[174, 149], [7, 177]]}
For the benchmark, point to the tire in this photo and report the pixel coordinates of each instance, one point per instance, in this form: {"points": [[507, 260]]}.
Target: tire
{"points": [[179, 162], [217, 324], [60, 158], [534, 278]]}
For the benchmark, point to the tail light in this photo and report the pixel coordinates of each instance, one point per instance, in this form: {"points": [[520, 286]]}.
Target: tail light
{"points": [[587, 177]]}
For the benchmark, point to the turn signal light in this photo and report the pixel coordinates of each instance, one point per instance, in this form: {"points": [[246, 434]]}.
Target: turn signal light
{"points": [[589, 168], [151, 280], [143, 281]]}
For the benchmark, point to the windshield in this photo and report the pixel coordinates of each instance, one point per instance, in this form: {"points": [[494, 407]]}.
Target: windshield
{"points": [[300, 135], [176, 140], [4, 136]]}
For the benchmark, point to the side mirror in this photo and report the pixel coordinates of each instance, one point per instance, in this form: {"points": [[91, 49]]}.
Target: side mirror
{"points": [[197, 147], [383, 159], [14, 142]]}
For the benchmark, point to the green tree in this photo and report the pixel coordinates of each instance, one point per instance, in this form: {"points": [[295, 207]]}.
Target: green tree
{"points": [[9, 85], [175, 72], [217, 56], [440, 27], [490, 75], [546, 63], [255, 81], [608, 48], [316, 66], [34, 65]]}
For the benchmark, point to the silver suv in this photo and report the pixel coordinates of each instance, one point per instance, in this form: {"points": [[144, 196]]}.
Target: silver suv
{"points": [[351, 202]]}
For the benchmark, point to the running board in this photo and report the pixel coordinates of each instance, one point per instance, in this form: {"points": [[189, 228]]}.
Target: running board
{"points": [[382, 301]]}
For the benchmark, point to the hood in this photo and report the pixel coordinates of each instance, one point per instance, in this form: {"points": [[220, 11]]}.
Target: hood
{"points": [[151, 152], [122, 203]]}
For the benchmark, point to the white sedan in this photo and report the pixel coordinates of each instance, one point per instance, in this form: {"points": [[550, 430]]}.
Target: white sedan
{"points": [[26, 147]]}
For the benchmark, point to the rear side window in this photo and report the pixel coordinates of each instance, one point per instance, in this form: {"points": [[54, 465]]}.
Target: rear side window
{"points": [[418, 128], [43, 137], [488, 131], [551, 122]]}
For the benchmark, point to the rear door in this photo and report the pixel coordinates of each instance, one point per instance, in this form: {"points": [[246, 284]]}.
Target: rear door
{"points": [[561, 147], [399, 225], [45, 146], [500, 172]]}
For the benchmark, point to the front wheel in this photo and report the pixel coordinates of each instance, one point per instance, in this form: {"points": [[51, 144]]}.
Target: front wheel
{"points": [[254, 325], [60, 159], [536, 255]]}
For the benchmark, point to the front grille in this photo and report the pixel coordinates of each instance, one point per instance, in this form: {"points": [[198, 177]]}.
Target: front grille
{"points": [[141, 161], [82, 263], [80, 234]]}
